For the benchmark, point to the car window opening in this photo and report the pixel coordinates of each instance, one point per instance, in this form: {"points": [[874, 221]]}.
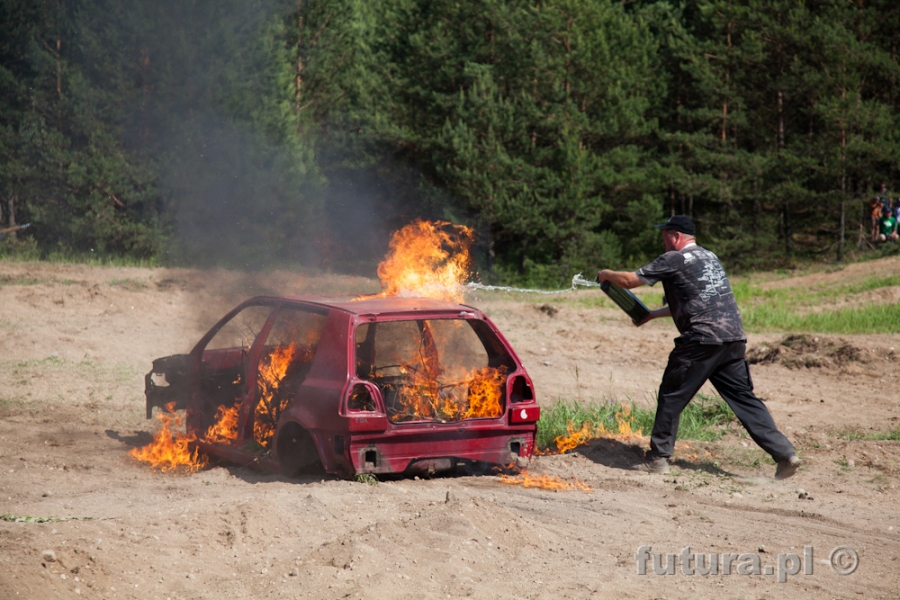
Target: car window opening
{"points": [[286, 357], [432, 370]]}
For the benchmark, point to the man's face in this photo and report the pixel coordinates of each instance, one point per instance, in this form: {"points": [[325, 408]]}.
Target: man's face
{"points": [[670, 239]]}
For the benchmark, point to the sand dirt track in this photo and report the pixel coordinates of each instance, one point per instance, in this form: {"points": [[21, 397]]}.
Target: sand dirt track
{"points": [[76, 341]]}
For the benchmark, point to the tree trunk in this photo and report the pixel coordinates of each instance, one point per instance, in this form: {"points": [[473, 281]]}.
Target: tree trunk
{"points": [[298, 86], [11, 209], [757, 210], [724, 135], [780, 121], [59, 70], [843, 203], [787, 226], [785, 203], [843, 208]]}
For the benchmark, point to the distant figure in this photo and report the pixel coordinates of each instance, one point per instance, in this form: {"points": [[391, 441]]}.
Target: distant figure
{"points": [[880, 202], [896, 208], [885, 195], [876, 207], [887, 227]]}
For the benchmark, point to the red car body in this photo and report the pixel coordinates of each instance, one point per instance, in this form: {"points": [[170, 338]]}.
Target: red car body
{"points": [[380, 385]]}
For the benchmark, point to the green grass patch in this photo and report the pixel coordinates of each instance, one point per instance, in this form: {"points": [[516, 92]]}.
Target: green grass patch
{"points": [[705, 419], [19, 280], [128, 284], [792, 308], [26, 254], [890, 435], [32, 519], [879, 318]]}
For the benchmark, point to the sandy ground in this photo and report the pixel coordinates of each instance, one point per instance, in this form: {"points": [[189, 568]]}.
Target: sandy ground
{"points": [[75, 343]]}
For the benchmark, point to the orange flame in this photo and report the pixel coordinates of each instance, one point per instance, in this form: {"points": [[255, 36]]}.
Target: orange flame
{"points": [[423, 397], [576, 436], [224, 430], [271, 372], [486, 392], [545, 482], [170, 450], [427, 259], [693, 454], [429, 393]]}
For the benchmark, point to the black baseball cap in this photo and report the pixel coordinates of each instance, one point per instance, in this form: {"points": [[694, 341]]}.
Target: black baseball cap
{"points": [[680, 223]]}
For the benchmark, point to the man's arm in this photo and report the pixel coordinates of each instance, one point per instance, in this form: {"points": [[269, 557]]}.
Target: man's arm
{"points": [[629, 280], [659, 313], [624, 279]]}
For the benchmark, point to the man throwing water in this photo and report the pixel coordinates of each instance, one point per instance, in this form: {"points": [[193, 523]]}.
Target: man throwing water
{"points": [[711, 346]]}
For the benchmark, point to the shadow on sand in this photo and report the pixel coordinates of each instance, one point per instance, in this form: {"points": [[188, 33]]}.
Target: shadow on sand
{"points": [[615, 454]]}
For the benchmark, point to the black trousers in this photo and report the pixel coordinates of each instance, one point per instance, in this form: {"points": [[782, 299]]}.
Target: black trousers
{"points": [[691, 364]]}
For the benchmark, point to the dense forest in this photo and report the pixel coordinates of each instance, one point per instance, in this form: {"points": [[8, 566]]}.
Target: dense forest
{"points": [[262, 133]]}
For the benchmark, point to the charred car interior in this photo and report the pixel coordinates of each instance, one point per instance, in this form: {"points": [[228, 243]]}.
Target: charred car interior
{"points": [[350, 386]]}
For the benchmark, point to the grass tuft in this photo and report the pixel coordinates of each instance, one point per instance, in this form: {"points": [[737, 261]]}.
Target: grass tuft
{"points": [[890, 435], [705, 419]]}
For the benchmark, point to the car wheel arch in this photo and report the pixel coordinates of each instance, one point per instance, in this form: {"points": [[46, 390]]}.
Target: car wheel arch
{"points": [[297, 450]]}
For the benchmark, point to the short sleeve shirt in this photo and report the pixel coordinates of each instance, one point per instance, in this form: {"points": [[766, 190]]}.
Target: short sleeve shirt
{"points": [[888, 225], [698, 293]]}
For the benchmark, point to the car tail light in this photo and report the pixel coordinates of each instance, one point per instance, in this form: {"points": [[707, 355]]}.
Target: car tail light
{"points": [[524, 414]]}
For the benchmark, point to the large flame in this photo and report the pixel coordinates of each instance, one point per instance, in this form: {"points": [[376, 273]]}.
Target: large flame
{"points": [[475, 395], [427, 259], [170, 450], [428, 392]]}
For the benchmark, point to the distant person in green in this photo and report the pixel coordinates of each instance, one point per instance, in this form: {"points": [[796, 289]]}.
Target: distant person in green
{"points": [[887, 231]]}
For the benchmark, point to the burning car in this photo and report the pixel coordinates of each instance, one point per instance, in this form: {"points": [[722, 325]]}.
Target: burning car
{"points": [[382, 385]]}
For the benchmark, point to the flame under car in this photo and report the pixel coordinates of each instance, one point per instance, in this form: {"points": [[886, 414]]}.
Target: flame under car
{"points": [[381, 385]]}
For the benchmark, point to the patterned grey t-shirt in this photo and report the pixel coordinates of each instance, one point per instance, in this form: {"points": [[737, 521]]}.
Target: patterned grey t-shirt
{"points": [[698, 294]]}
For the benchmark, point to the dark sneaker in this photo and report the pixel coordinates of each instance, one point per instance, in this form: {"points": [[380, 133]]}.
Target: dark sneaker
{"points": [[787, 467], [660, 465]]}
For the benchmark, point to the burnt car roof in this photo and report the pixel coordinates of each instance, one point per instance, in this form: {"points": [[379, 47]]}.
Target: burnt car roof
{"points": [[376, 305]]}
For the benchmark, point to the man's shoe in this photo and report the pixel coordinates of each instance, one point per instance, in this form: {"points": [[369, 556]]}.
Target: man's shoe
{"points": [[787, 467], [660, 465]]}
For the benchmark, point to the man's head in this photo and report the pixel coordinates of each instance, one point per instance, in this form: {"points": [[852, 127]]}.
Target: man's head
{"points": [[679, 223], [678, 231]]}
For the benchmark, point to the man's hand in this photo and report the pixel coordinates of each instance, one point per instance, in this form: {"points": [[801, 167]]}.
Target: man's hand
{"points": [[665, 311], [646, 319]]}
